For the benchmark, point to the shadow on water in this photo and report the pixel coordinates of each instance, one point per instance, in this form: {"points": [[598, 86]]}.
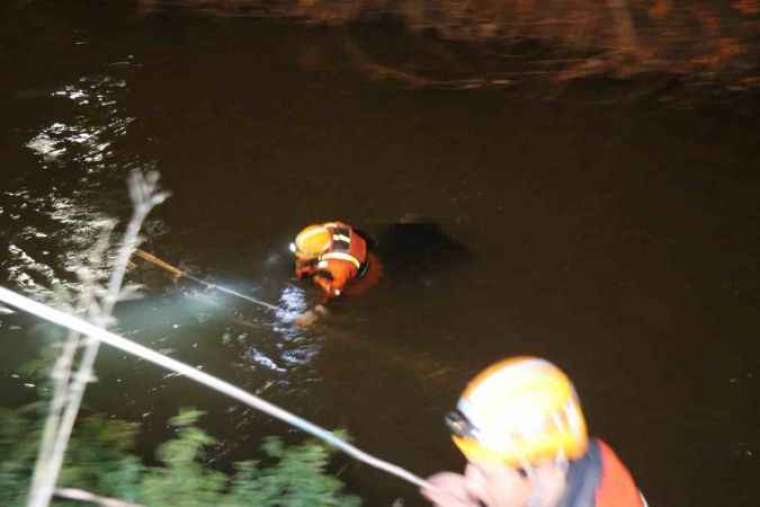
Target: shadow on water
{"points": [[618, 240], [416, 246]]}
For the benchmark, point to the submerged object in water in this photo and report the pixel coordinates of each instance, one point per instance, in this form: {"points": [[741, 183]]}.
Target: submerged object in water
{"points": [[418, 247]]}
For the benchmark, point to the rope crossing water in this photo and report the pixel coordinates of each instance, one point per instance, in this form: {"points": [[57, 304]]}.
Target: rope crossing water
{"points": [[183, 274], [81, 326]]}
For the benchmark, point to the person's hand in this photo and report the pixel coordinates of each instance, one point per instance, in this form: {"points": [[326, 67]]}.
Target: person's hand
{"points": [[306, 319], [447, 489], [324, 283], [309, 317]]}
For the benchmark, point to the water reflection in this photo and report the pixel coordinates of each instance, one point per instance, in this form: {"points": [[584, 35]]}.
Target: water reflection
{"points": [[292, 304], [187, 317], [57, 207], [82, 141], [23, 266], [261, 359]]}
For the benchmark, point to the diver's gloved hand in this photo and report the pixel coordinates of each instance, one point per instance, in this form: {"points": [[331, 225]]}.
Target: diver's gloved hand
{"points": [[309, 317], [325, 283]]}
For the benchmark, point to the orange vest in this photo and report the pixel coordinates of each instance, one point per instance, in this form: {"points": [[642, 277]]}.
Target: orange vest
{"points": [[599, 479], [616, 488], [344, 260]]}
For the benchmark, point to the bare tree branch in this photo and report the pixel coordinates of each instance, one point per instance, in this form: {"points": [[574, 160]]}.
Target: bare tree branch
{"points": [[69, 389]]}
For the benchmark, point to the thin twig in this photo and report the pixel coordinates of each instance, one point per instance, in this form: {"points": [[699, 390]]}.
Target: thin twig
{"points": [[61, 377], [144, 194]]}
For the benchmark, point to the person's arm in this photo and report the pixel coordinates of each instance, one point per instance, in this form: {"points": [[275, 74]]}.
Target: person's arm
{"points": [[325, 282], [334, 277], [305, 268]]}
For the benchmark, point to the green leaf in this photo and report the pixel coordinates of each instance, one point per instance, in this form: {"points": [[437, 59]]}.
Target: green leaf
{"points": [[98, 459], [186, 417]]}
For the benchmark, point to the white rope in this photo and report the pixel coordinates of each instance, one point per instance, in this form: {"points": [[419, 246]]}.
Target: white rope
{"points": [[76, 324], [85, 496], [238, 294]]}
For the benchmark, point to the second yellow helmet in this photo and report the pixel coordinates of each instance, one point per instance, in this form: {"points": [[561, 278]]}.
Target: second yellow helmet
{"points": [[520, 411]]}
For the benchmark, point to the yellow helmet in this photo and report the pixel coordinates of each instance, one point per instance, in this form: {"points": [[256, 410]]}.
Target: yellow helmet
{"points": [[520, 411], [311, 242]]}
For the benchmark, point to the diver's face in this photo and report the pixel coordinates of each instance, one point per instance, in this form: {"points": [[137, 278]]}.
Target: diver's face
{"points": [[497, 485]]}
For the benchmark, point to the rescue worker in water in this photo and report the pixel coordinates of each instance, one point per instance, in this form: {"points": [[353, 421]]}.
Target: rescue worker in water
{"points": [[333, 254], [520, 426]]}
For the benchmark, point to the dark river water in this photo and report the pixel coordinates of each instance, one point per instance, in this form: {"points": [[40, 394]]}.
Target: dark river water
{"points": [[619, 239]]}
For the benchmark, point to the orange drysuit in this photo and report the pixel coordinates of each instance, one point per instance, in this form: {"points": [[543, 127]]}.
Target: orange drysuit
{"points": [[343, 261]]}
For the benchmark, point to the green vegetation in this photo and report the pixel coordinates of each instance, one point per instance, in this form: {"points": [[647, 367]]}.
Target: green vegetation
{"points": [[98, 460]]}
